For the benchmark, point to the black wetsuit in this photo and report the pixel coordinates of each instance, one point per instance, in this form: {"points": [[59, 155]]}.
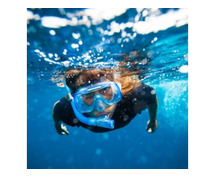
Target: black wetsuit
{"points": [[126, 109]]}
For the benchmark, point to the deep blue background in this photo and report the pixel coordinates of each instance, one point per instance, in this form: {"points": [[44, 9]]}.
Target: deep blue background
{"points": [[129, 147]]}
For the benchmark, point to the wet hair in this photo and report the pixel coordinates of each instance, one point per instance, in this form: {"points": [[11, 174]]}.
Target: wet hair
{"points": [[81, 77]]}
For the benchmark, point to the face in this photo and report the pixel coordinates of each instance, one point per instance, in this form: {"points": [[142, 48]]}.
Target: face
{"points": [[106, 109]]}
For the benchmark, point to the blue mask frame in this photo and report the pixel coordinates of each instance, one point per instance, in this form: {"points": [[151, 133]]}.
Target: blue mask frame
{"points": [[98, 98], [102, 121]]}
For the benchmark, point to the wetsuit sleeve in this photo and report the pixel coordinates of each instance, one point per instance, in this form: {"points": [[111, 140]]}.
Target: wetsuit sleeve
{"points": [[62, 111], [145, 97]]}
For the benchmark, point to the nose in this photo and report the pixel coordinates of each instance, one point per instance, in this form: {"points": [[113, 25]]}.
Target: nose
{"points": [[100, 106]]}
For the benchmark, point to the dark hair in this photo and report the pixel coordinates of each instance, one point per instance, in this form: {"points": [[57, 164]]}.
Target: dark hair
{"points": [[78, 77]]}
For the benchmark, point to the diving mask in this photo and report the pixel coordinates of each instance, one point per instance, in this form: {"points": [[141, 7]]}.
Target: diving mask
{"points": [[97, 97]]}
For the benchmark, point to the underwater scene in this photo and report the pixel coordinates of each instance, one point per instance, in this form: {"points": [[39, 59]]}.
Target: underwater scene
{"points": [[152, 41]]}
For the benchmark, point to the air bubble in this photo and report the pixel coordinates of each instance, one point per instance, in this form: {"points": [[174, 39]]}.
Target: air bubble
{"points": [[30, 80], [74, 45], [65, 51], [98, 151], [183, 69], [75, 120], [153, 92], [144, 13], [125, 118], [135, 99], [37, 51], [52, 32], [105, 136], [143, 93], [50, 55], [76, 36]]}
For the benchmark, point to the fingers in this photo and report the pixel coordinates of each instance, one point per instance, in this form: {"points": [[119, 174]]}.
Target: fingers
{"points": [[149, 130], [63, 133], [64, 130], [151, 126]]}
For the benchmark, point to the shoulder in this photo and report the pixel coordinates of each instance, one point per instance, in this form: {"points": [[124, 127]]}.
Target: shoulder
{"points": [[139, 98], [142, 91], [62, 110], [60, 103], [60, 106]]}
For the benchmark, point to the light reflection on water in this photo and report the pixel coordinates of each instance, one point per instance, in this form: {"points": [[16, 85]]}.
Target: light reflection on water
{"points": [[103, 38]]}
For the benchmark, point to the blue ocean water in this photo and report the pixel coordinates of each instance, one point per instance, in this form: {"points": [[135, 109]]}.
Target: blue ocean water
{"points": [[58, 39]]}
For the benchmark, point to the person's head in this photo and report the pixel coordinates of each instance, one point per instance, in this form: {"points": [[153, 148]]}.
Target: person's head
{"points": [[86, 80]]}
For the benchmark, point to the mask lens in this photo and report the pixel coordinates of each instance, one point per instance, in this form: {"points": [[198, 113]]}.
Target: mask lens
{"points": [[107, 92], [88, 98]]}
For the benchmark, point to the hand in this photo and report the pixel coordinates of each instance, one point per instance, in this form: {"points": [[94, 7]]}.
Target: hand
{"points": [[151, 126], [61, 129]]}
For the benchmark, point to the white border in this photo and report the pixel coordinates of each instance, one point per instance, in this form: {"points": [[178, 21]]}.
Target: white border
{"points": [[201, 92]]}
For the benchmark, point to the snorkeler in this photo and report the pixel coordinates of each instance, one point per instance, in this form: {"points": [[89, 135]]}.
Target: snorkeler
{"points": [[102, 100]]}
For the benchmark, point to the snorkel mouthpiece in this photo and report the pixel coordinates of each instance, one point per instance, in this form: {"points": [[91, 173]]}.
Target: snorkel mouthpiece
{"points": [[105, 122]]}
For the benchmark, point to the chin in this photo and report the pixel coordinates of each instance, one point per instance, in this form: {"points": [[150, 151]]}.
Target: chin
{"points": [[108, 114], [99, 114], [108, 111]]}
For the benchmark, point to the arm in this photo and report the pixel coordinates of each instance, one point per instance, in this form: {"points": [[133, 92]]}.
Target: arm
{"points": [[147, 98], [60, 128], [152, 107]]}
